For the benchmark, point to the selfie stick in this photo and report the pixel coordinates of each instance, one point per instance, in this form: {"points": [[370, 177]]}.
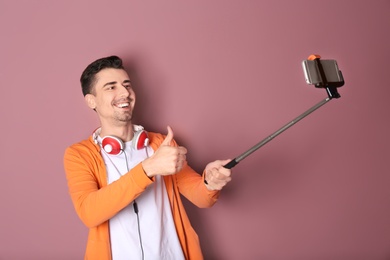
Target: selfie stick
{"points": [[331, 90]]}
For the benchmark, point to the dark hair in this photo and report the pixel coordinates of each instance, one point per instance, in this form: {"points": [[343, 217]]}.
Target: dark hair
{"points": [[88, 76]]}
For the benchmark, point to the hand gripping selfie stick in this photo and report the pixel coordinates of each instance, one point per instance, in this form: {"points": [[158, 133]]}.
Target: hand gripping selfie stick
{"points": [[322, 74]]}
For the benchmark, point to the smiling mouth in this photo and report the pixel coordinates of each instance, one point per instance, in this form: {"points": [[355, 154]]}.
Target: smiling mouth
{"points": [[123, 105]]}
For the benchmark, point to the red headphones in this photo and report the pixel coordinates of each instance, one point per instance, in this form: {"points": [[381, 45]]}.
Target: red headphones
{"points": [[114, 146]]}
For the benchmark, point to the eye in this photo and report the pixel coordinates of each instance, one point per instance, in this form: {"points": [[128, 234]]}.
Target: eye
{"points": [[128, 87]]}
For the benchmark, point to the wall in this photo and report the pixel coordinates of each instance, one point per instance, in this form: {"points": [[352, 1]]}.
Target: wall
{"points": [[224, 75]]}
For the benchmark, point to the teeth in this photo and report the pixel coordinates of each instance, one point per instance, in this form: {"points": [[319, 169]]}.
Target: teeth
{"points": [[123, 105]]}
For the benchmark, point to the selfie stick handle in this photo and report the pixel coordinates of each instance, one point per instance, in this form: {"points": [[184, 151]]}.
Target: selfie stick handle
{"points": [[235, 161]]}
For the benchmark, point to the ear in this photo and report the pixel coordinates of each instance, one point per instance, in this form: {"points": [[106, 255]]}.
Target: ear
{"points": [[90, 100]]}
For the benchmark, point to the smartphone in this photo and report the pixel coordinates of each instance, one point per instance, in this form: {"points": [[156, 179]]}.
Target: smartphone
{"points": [[333, 75]]}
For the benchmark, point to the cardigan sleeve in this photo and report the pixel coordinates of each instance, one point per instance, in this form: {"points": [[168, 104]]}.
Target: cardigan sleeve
{"points": [[191, 185], [94, 201]]}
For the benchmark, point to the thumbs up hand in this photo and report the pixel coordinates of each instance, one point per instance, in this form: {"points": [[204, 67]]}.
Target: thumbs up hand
{"points": [[167, 159], [168, 139]]}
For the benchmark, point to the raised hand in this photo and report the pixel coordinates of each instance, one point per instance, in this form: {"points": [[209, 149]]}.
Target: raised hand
{"points": [[167, 159]]}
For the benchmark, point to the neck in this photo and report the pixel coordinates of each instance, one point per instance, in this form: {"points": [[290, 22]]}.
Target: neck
{"points": [[125, 133]]}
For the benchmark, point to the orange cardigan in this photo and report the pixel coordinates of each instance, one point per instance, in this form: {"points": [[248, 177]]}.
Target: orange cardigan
{"points": [[96, 202]]}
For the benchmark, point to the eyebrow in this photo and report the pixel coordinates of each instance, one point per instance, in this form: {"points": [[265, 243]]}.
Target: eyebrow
{"points": [[110, 83], [114, 82]]}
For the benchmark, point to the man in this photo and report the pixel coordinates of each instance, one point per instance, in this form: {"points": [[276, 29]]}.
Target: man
{"points": [[125, 184]]}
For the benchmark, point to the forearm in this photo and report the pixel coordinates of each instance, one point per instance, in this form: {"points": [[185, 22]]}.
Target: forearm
{"points": [[192, 186], [96, 203]]}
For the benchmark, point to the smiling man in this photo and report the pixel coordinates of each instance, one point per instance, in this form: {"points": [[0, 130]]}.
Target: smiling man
{"points": [[125, 183]]}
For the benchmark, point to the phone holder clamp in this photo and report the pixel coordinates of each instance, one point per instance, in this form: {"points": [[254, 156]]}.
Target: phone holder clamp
{"points": [[331, 87]]}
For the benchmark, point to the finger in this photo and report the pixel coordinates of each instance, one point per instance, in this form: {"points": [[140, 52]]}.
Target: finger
{"points": [[182, 150], [224, 162], [224, 170], [221, 174], [168, 139]]}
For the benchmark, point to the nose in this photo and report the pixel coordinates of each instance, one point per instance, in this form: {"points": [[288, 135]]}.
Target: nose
{"points": [[124, 91]]}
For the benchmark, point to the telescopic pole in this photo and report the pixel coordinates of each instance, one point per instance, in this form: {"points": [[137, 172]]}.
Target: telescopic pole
{"points": [[236, 160]]}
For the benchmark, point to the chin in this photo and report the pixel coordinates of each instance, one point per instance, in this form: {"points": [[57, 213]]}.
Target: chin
{"points": [[124, 119]]}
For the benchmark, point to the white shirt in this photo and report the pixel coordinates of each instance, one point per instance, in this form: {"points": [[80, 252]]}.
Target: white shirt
{"points": [[152, 235]]}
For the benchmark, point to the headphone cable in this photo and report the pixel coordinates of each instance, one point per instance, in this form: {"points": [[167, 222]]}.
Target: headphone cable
{"points": [[135, 207]]}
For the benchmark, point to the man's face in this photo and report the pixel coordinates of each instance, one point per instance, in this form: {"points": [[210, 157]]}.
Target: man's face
{"points": [[113, 97]]}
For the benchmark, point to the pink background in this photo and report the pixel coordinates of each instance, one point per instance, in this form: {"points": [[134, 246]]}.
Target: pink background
{"points": [[224, 75]]}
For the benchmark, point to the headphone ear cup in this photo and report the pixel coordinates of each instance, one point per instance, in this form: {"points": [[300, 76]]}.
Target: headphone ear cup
{"points": [[140, 140], [112, 145]]}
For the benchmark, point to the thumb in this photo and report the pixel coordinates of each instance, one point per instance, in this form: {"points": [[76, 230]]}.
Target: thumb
{"points": [[168, 139]]}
